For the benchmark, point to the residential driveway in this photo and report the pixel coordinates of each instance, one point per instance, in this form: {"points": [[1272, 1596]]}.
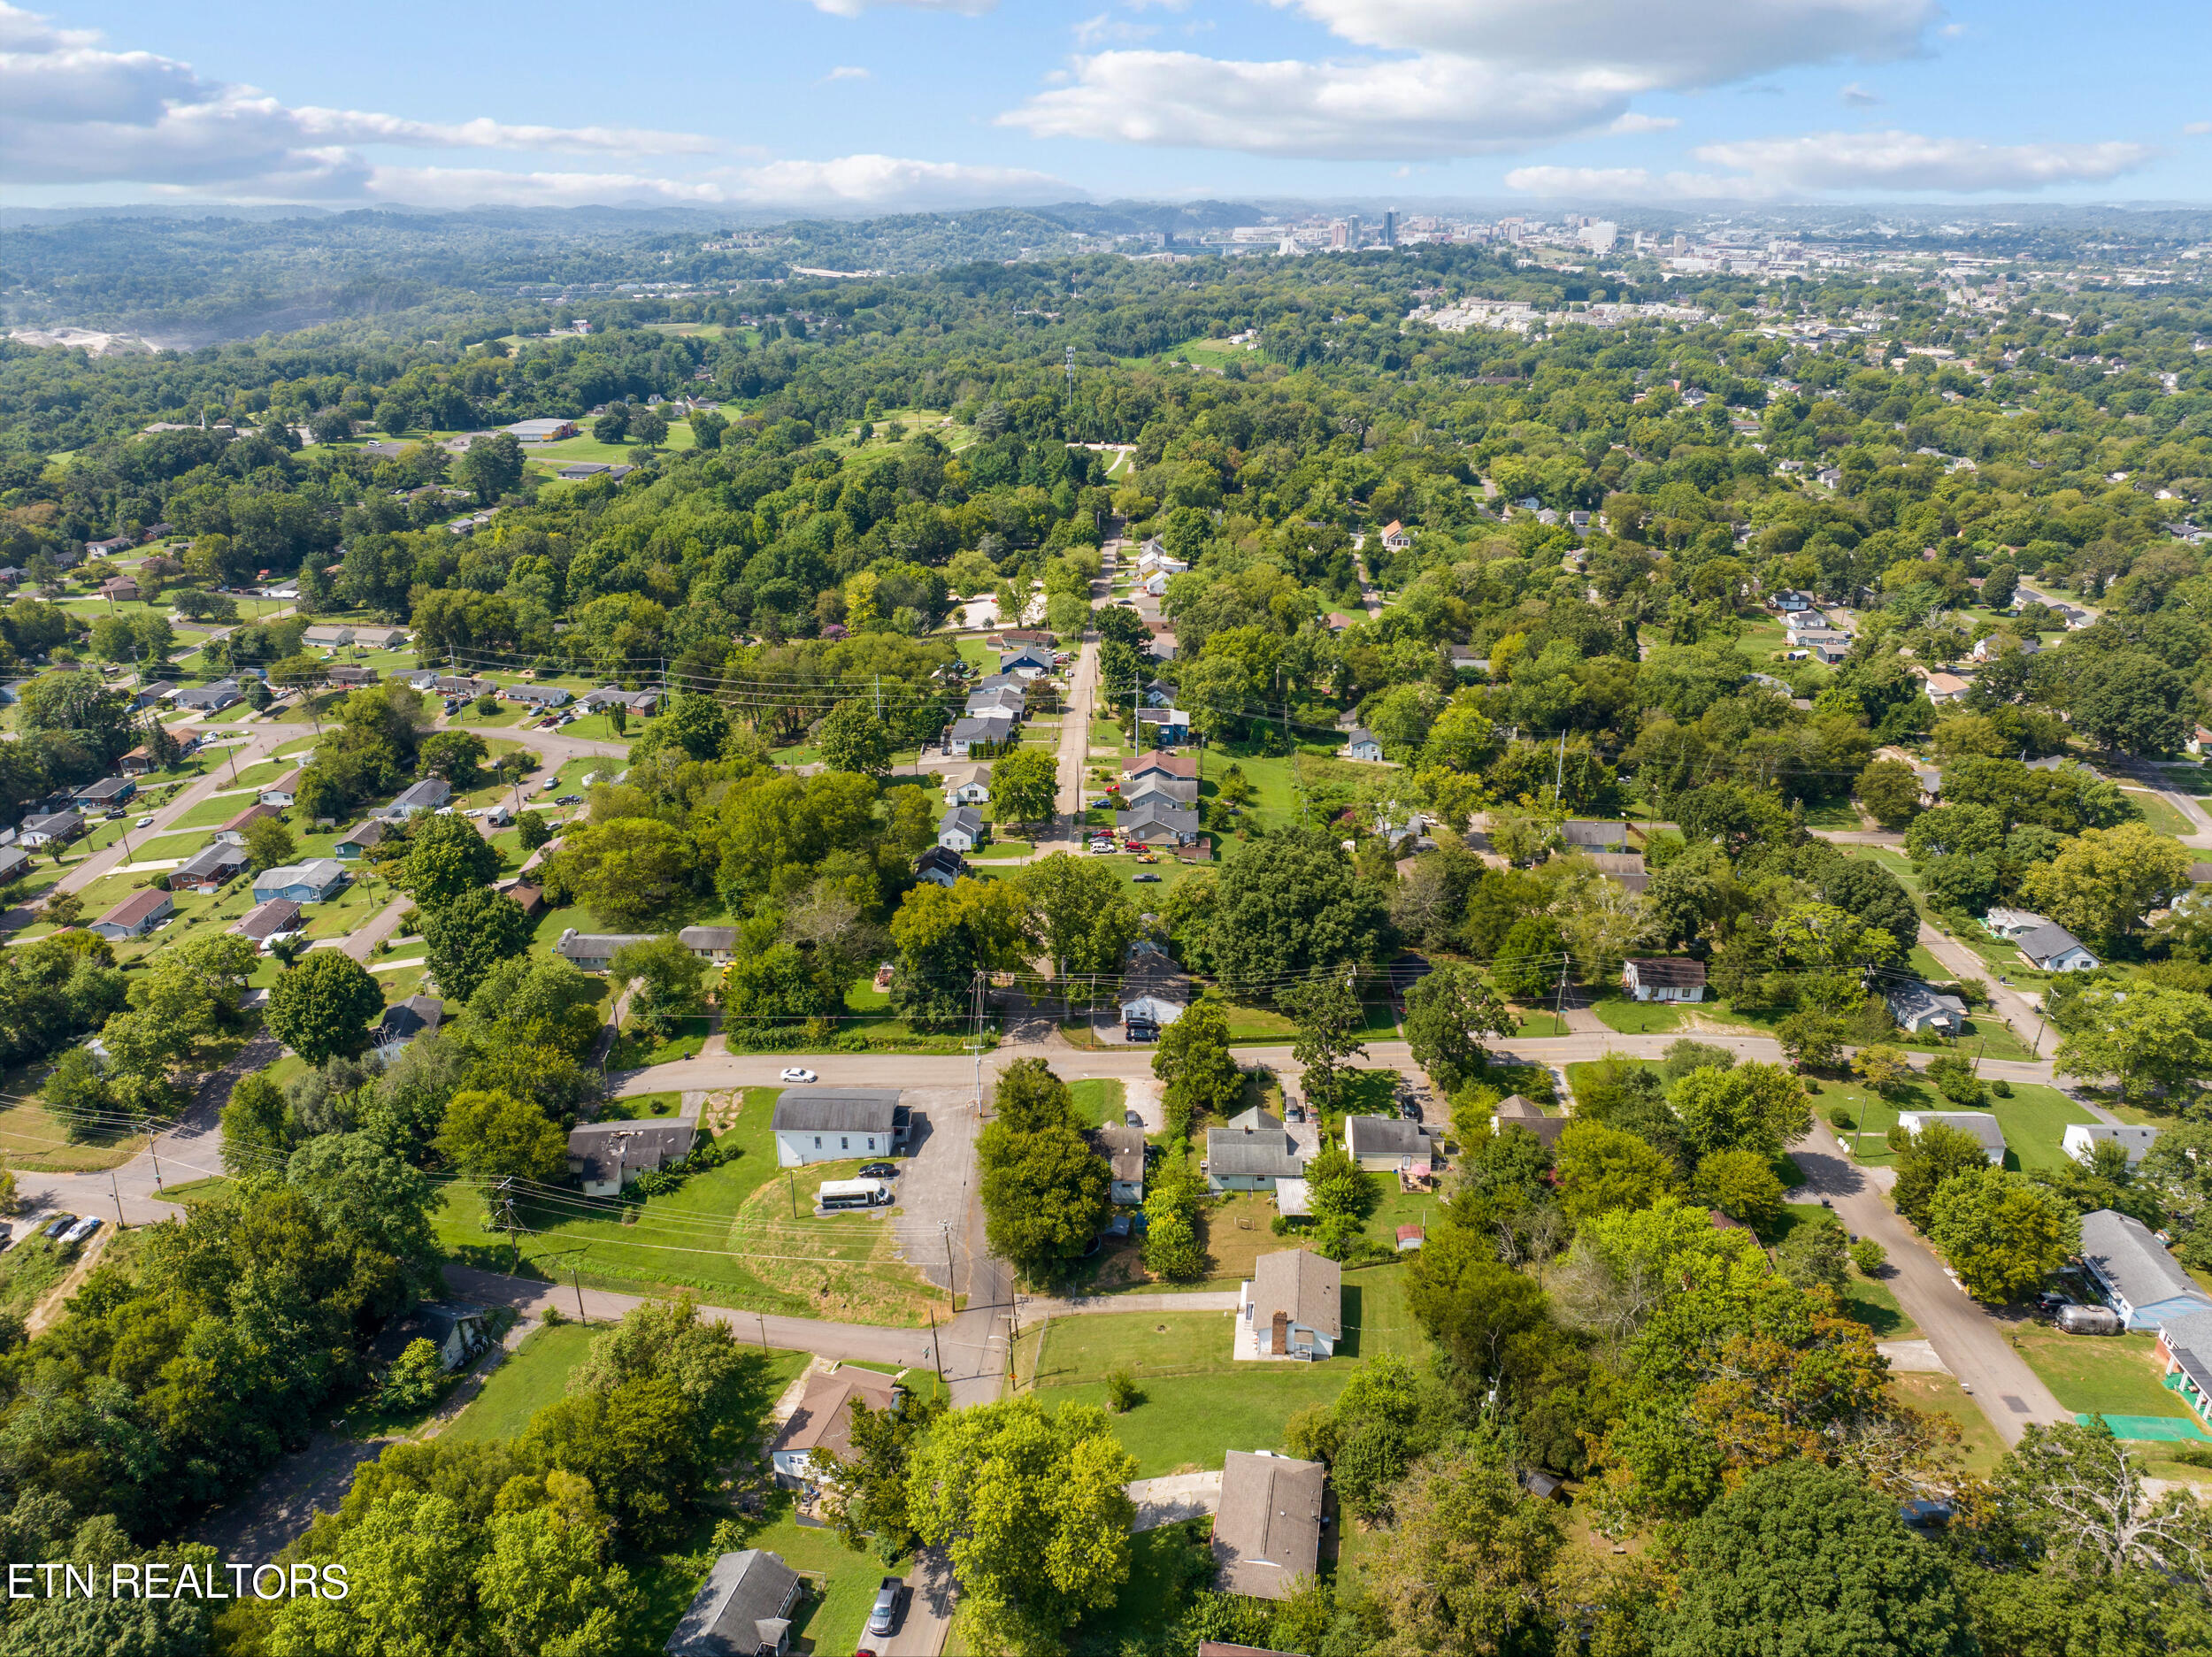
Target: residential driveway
{"points": [[1967, 1340], [1175, 1498], [922, 1630], [270, 1515]]}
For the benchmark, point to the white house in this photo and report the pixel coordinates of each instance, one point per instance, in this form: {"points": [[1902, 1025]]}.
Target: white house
{"points": [[1293, 1306], [2013, 923], [1384, 1145], [1663, 978], [1920, 1007], [960, 829], [824, 1420], [427, 796], [830, 1125], [1980, 1123], [594, 952], [967, 785], [2144, 1283], [2082, 1138]]}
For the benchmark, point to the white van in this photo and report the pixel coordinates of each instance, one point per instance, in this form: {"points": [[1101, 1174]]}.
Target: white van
{"points": [[852, 1193]]}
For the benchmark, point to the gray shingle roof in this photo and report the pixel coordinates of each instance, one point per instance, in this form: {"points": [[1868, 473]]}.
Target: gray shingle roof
{"points": [[2046, 941], [835, 1109], [2122, 1251], [1385, 1136], [1254, 1146], [1269, 1529]]}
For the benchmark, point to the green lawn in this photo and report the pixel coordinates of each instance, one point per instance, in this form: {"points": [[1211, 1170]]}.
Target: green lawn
{"points": [[533, 1375], [2160, 814], [1263, 1026], [1198, 1403], [29, 1271], [2034, 1120], [2100, 1375], [1630, 1017], [1098, 1102], [743, 1234]]}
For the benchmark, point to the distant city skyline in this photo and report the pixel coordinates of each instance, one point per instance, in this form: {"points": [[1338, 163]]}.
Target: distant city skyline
{"points": [[885, 106]]}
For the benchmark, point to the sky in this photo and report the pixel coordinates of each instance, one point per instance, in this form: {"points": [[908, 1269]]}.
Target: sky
{"points": [[865, 105]]}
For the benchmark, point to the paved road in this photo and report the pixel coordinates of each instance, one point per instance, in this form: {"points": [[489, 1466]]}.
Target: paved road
{"points": [[1075, 739], [1970, 1342]]}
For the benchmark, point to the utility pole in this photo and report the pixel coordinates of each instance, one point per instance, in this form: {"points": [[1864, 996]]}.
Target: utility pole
{"points": [[936, 1358], [761, 1320], [951, 1297], [1559, 1011], [576, 1277], [118, 1190], [791, 1185]]}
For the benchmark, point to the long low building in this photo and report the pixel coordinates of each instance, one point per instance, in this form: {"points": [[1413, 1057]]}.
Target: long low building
{"points": [[830, 1125]]}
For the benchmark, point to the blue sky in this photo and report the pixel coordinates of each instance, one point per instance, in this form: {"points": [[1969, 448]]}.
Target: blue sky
{"points": [[859, 106]]}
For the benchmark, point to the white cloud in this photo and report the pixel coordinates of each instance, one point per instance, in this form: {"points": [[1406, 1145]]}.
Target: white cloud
{"points": [[72, 112], [846, 71], [1481, 74], [2196, 129], [1907, 161], [1431, 105], [1106, 29], [1860, 97], [1820, 164], [1634, 122], [854, 8], [1684, 43]]}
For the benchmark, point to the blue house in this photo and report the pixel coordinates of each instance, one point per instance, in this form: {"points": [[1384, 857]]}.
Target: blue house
{"points": [[2144, 1283], [315, 881]]}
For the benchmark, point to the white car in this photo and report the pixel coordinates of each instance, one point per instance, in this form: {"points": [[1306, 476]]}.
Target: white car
{"points": [[795, 1074], [144, 822]]}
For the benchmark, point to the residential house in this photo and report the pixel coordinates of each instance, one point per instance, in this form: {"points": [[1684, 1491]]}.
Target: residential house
{"points": [[716, 945], [1820, 645], [2185, 1347], [1136, 768], [1464, 659], [120, 589], [109, 546], [823, 1422], [317, 880], [1003, 700], [1593, 835], [967, 785], [2013, 923], [209, 698], [1294, 1305], [51, 828], [1168, 726], [1250, 1153], [138, 763], [106, 794], [1991, 645], [967, 735], [1154, 991], [404, 1021], [14, 863], [644, 703], [2081, 1139], [1663, 978], [1121, 1145], [135, 916], [1795, 602], [960, 829], [1030, 661], [264, 924], [605, 1156], [1980, 1123], [430, 794], [1160, 789], [941, 864], [329, 638], [742, 1609], [537, 696], [1625, 868], [1919, 1008], [380, 638], [284, 791], [1363, 744], [2051, 947], [1158, 822], [531, 898], [235, 831], [1805, 620], [830, 1125], [2144, 1283], [594, 952], [1945, 688], [349, 675], [1516, 1111], [210, 869], [1385, 1145], [1267, 1535], [361, 838], [1396, 537]]}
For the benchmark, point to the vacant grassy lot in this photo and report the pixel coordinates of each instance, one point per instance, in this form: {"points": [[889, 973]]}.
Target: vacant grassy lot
{"points": [[533, 1375], [1098, 1102]]}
